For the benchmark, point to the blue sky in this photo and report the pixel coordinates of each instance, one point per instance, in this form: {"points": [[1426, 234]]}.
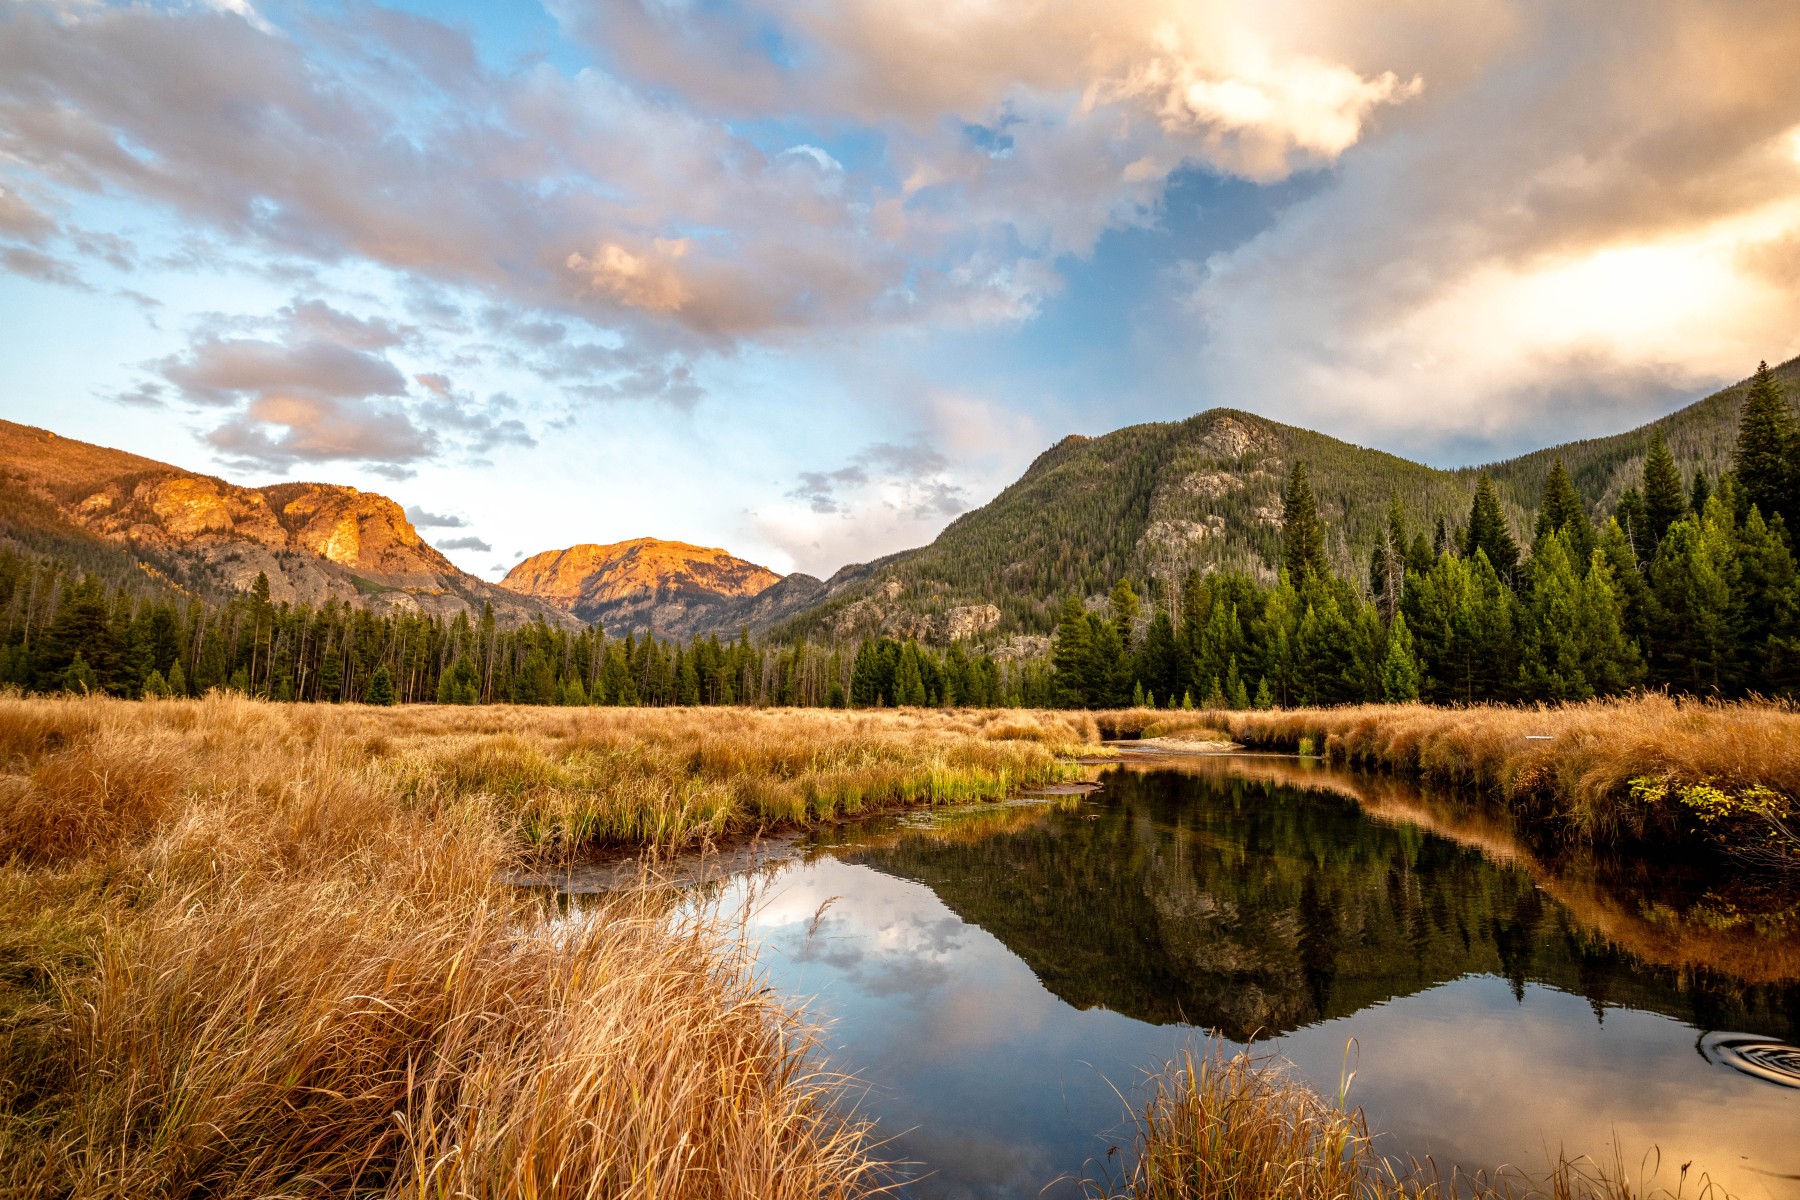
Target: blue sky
{"points": [[807, 280]]}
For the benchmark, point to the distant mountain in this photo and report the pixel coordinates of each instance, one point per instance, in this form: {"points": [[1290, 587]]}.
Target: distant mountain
{"points": [[645, 585], [1157, 500], [120, 513]]}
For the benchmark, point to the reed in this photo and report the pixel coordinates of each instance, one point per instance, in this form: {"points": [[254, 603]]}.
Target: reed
{"points": [[251, 949], [1216, 1125]]}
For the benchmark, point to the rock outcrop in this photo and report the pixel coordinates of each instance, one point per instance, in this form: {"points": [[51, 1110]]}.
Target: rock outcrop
{"points": [[314, 541]]}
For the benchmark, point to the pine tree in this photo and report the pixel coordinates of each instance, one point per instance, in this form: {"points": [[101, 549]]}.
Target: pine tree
{"points": [[910, 682], [1763, 617], [1563, 512], [1400, 668], [1488, 531], [1610, 660], [1700, 493], [1664, 500], [178, 684], [1264, 700], [1693, 579], [1124, 608], [1070, 656], [78, 677], [1551, 667], [155, 684], [1302, 533], [381, 687], [1628, 582], [1634, 524], [1766, 445]]}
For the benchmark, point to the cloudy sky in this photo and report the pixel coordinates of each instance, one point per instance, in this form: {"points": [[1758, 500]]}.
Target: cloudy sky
{"points": [[807, 278]]}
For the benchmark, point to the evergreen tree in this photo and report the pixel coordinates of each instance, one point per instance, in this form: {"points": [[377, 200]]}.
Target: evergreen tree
{"points": [[1701, 492], [381, 687], [460, 684], [1763, 616], [1124, 608], [1610, 659], [78, 677], [910, 682], [178, 684], [1400, 666], [1664, 500], [1488, 532], [1628, 582], [155, 684], [1302, 533], [1236, 693], [1263, 699], [1635, 525], [1693, 580], [1766, 446], [1563, 512], [1070, 656]]}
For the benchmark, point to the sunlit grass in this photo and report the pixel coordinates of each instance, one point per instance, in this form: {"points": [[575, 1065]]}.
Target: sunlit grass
{"points": [[1220, 1125]]}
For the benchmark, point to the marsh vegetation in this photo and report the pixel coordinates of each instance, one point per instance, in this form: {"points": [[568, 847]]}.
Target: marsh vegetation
{"points": [[250, 949]]}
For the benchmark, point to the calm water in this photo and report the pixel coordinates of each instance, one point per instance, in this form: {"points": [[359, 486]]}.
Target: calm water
{"points": [[995, 975]]}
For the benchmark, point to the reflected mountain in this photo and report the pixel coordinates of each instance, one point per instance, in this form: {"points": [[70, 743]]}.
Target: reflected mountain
{"points": [[1256, 907]]}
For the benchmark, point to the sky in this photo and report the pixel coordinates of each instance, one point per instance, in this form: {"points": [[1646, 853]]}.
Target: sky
{"points": [[806, 279]]}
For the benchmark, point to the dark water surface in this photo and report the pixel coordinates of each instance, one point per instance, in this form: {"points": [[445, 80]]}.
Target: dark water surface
{"points": [[995, 974]]}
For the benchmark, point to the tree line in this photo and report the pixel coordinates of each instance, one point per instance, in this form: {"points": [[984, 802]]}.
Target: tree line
{"points": [[1685, 585], [66, 630]]}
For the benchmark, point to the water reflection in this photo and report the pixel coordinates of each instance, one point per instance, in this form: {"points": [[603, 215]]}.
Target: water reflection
{"points": [[994, 974], [1255, 908]]}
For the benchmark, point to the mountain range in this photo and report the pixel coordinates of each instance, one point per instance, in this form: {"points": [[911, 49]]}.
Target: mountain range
{"points": [[1151, 500]]}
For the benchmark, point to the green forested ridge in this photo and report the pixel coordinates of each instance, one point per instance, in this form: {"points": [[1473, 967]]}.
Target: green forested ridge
{"points": [[1154, 501]]}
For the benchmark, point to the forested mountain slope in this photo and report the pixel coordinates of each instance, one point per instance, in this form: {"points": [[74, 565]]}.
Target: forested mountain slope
{"points": [[1153, 501], [120, 515]]}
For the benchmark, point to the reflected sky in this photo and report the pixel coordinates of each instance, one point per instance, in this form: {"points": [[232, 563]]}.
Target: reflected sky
{"points": [[996, 1085]]}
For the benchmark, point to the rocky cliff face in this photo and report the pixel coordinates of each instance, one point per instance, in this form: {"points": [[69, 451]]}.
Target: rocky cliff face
{"points": [[671, 588], [314, 541]]}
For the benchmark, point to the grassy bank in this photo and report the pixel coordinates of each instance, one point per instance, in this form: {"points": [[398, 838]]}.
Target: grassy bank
{"points": [[1648, 771], [252, 950], [1238, 1126]]}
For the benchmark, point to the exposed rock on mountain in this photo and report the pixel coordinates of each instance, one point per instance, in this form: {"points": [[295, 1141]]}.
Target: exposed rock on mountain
{"points": [[314, 541], [645, 585]]}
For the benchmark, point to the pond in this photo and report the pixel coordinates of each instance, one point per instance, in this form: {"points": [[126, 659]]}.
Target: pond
{"points": [[1000, 977]]}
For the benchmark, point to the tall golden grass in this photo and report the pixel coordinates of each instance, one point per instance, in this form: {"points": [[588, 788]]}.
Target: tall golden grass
{"points": [[1567, 768], [252, 950], [1238, 1126]]}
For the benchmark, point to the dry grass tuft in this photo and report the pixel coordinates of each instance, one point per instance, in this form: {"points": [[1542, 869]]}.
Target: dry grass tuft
{"points": [[1219, 1126]]}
